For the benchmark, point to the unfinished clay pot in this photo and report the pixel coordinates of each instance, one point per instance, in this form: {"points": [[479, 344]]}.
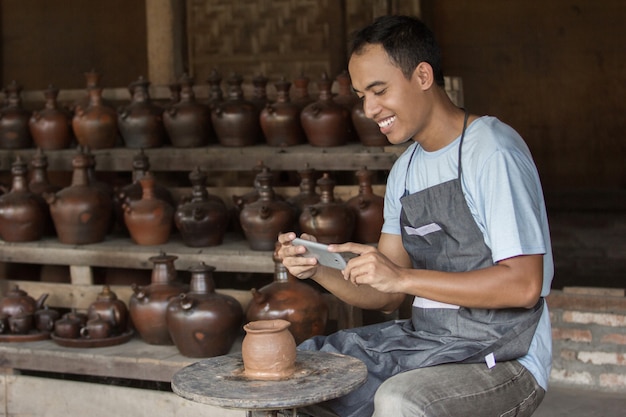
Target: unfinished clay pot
{"points": [[268, 350]]}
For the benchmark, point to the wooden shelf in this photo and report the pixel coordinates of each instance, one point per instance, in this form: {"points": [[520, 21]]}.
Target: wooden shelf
{"points": [[219, 158]]}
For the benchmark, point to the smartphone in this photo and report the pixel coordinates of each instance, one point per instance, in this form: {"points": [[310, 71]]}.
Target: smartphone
{"points": [[320, 252]]}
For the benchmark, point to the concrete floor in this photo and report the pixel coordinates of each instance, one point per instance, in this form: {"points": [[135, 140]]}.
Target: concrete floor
{"points": [[575, 402]]}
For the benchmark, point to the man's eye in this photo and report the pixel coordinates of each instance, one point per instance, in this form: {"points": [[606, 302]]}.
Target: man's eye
{"points": [[380, 93]]}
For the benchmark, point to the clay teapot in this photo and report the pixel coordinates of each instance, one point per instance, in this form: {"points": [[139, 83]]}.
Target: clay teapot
{"points": [[110, 308], [201, 322], [368, 210], [18, 301], [97, 328], [330, 221], [148, 304], [21, 323], [280, 121], [201, 218], [290, 299], [45, 318], [51, 127], [68, 327], [22, 213], [141, 121], [268, 350], [14, 131], [236, 120], [95, 124]]}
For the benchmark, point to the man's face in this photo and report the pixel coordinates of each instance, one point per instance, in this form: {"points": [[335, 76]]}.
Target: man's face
{"points": [[389, 98]]}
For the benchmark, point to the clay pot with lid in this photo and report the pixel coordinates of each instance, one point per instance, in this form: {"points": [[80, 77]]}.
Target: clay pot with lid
{"points": [[330, 221], [289, 299], [14, 130], [268, 350], [150, 219], [236, 120], [265, 218], [141, 121], [280, 121], [18, 301], [148, 304], [95, 123], [201, 219], [325, 122], [81, 212], [368, 210], [51, 127], [22, 213], [109, 307], [188, 122], [201, 322]]}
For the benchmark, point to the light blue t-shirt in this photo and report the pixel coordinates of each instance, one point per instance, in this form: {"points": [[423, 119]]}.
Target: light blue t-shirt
{"points": [[501, 185]]}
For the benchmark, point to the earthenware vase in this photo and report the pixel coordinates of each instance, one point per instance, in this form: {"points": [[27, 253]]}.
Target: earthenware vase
{"points": [[110, 308], [201, 322], [95, 124], [325, 122], [148, 304], [330, 221], [236, 120], [22, 214], [14, 130], [51, 127], [289, 299], [268, 350], [265, 218], [280, 121], [81, 212], [201, 218], [188, 122], [368, 210], [141, 121], [347, 98]]}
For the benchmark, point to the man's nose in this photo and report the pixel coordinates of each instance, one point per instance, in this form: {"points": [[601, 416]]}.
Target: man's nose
{"points": [[370, 107]]}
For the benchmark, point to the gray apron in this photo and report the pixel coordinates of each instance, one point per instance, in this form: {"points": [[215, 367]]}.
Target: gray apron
{"points": [[439, 233]]}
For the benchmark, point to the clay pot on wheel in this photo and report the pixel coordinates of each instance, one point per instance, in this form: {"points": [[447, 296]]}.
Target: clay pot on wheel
{"points": [[268, 350]]}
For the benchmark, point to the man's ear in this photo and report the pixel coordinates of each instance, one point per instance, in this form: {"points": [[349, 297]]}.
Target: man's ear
{"points": [[423, 75]]}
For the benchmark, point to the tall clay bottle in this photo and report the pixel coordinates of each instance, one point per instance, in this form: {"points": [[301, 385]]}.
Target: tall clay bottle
{"points": [[81, 212], [347, 98], [325, 122], [201, 322], [51, 127], [95, 124], [368, 210], [22, 216], [330, 221], [188, 122], [265, 218], [280, 120], [39, 184], [289, 299], [141, 121], [236, 120], [14, 130], [148, 304], [201, 219], [150, 219]]}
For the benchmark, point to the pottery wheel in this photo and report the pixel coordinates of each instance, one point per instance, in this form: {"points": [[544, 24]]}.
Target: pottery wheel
{"points": [[220, 381]]}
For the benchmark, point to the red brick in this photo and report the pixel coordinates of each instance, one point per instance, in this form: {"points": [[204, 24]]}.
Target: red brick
{"points": [[619, 339], [613, 381], [603, 319], [602, 358], [575, 335]]}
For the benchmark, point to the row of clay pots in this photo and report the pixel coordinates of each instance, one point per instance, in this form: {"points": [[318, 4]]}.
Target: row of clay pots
{"points": [[234, 121], [87, 210]]}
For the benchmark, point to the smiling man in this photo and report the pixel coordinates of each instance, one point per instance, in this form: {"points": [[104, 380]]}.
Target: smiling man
{"points": [[465, 235]]}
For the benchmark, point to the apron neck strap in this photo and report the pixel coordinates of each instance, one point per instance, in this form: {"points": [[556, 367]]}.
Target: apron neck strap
{"points": [[461, 142]]}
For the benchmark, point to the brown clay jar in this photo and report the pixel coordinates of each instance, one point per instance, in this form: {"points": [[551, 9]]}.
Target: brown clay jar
{"points": [[150, 219], [236, 120], [307, 196], [51, 127], [95, 124], [330, 221], [268, 350], [368, 210], [188, 122], [14, 130], [22, 214], [280, 121], [201, 218], [367, 129], [300, 92], [141, 121], [201, 322], [148, 304], [81, 212], [265, 218], [325, 122], [289, 299], [346, 98], [110, 308]]}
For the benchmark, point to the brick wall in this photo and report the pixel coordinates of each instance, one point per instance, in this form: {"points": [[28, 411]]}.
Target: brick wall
{"points": [[589, 337]]}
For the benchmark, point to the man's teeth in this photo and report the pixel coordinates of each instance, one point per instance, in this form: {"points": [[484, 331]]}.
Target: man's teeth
{"points": [[386, 122]]}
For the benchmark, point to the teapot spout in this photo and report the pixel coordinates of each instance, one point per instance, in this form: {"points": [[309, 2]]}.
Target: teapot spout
{"points": [[41, 300]]}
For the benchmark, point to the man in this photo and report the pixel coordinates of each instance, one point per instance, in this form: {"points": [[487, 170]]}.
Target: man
{"points": [[465, 234]]}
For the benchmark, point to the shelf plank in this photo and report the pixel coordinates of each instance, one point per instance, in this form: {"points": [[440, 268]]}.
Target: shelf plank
{"points": [[234, 255]]}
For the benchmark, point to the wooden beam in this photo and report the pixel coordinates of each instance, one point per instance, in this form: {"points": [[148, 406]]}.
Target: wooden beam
{"points": [[165, 35]]}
